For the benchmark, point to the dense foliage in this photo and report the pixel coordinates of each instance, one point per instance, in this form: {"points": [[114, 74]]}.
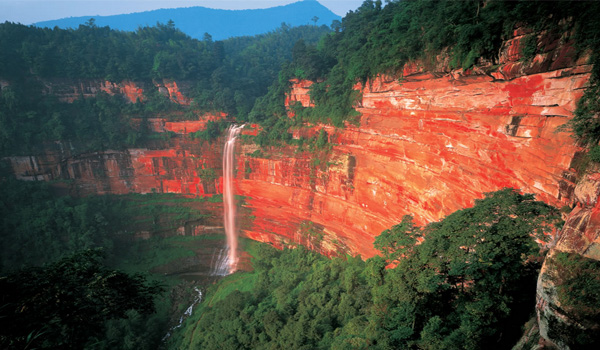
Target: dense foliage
{"points": [[225, 76], [64, 304], [28, 119], [469, 285], [247, 77], [38, 229]]}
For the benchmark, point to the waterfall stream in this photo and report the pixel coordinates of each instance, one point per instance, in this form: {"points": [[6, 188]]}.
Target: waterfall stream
{"points": [[224, 261], [229, 265], [186, 314]]}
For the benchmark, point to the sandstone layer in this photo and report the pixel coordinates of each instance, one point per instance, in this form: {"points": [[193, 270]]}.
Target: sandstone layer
{"points": [[428, 144], [68, 91]]}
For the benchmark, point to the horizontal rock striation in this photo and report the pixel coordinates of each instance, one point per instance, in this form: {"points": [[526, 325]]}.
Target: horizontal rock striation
{"points": [[428, 144], [178, 164], [68, 91]]}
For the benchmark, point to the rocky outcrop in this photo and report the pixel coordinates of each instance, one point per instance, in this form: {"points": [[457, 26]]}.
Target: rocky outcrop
{"points": [[68, 90], [176, 164], [569, 282], [428, 144]]}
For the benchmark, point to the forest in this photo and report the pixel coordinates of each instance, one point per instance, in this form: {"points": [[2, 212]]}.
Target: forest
{"points": [[470, 284], [247, 77], [465, 282], [227, 76], [377, 39]]}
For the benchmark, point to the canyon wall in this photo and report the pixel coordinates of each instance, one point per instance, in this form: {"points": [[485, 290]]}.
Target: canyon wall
{"points": [[178, 164], [174, 163], [567, 291], [428, 144], [68, 91]]}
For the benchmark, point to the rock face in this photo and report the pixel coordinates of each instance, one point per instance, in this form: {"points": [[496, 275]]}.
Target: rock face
{"points": [[69, 91], [177, 164], [428, 144], [567, 292]]}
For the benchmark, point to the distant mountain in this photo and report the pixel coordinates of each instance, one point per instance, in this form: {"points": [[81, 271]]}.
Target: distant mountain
{"points": [[220, 24]]}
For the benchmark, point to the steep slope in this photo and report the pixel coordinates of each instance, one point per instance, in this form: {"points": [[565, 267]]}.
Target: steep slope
{"points": [[567, 291], [428, 145], [220, 24]]}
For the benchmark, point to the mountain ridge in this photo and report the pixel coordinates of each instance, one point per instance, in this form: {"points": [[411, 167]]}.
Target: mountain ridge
{"points": [[220, 24]]}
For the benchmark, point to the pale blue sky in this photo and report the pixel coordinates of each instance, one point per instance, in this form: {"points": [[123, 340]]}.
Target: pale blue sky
{"points": [[31, 11]]}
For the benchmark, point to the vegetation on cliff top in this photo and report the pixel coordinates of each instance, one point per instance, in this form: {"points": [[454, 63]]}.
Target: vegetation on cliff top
{"points": [[377, 39], [247, 77], [469, 285], [458, 289], [224, 76]]}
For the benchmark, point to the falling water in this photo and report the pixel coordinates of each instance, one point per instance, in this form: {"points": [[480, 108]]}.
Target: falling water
{"points": [[229, 207], [219, 262]]}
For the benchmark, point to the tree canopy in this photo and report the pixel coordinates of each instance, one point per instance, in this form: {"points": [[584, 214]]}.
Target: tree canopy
{"points": [[469, 284], [66, 303]]}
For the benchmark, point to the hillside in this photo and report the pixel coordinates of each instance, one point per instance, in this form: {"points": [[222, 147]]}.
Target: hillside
{"points": [[421, 146], [220, 24]]}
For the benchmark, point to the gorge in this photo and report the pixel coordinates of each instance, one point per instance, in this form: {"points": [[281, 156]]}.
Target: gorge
{"points": [[431, 138], [493, 129]]}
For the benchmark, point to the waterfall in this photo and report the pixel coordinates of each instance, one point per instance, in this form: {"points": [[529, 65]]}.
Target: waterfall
{"points": [[220, 263], [229, 207]]}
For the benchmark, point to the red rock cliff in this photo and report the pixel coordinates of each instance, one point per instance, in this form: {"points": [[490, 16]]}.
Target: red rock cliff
{"points": [[428, 144], [180, 164], [69, 91]]}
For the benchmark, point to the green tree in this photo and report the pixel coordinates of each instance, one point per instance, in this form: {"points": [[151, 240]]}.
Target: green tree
{"points": [[64, 304], [471, 269], [399, 240]]}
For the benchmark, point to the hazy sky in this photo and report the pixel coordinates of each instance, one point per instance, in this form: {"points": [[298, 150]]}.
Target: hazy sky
{"points": [[31, 11]]}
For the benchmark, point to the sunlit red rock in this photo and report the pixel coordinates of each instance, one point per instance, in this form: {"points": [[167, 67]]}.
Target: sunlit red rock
{"points": [[299, 93], [69, 91], [173, 91], [130, 90], [428, 145]]}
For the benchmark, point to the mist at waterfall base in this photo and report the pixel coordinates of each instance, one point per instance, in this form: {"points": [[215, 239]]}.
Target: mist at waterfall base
{"points": [[225, 262]]}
